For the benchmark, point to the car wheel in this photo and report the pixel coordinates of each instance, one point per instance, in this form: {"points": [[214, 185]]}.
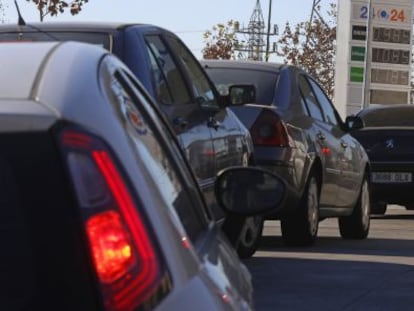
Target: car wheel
{"points": [[356, 225], [301, 227], [378, 208], [250, 236]]}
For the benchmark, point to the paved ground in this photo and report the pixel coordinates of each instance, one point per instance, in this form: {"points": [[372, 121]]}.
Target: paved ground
{"points": [[336, 274]]}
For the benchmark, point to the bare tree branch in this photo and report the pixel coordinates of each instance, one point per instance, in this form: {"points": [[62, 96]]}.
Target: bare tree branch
{"points": [[55, 7]]}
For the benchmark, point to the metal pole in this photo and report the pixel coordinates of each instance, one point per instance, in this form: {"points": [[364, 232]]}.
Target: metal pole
{"points": [[268, 31], [368, 57]]}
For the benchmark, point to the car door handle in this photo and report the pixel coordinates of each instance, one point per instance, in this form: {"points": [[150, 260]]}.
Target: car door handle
{"points": [[180, 122], [344, 144], [321, 136]]}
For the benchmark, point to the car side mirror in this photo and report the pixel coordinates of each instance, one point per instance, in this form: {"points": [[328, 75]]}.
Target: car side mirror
{"points": [[248, 191], [354, 123], [240, 94]]}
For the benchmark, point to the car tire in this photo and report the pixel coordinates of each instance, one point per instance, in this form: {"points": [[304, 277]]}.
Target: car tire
{"points": [[378, 208], [301, 227], [356, 225], [250, 236]]}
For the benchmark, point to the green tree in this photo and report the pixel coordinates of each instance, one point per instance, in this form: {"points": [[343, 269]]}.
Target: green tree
{"points": [[221, 41], [55, 7], [312, 46]]}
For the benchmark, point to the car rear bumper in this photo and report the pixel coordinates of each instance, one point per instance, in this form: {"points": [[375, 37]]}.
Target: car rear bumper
{"points": [[393, 192], [401, 194]]}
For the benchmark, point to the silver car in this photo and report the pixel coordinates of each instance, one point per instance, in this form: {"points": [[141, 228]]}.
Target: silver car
{"points": [[100, 209], [210, 133]]}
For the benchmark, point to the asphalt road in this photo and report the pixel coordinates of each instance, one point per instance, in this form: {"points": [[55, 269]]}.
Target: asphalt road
{"points": [[336, 274]]}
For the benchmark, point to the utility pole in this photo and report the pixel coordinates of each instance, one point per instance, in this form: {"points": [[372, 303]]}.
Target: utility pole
{"points": [[268, 31], [367, 69]]}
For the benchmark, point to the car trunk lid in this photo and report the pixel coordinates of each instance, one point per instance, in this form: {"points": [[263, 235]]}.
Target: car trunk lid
{"points": [[388, 144]]}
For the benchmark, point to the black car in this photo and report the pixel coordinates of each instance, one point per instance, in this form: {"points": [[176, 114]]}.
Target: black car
{"points": [[99, 207], [388, 136], [298, 133], [211, 135]]}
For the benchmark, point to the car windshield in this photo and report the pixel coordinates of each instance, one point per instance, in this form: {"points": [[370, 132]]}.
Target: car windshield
{"points": [[100, 39], [401, 116], [265, 82]]}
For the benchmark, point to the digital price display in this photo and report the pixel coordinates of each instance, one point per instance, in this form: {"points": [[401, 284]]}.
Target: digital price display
{"points": [[391, 56], [389, 76], [391, 35], [386, 97], [379, 55]]}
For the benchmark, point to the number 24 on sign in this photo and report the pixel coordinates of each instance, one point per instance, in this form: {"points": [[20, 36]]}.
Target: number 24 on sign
{"points": [[394, 15]]}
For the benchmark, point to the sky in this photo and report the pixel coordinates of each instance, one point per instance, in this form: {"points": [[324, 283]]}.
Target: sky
{"points": [[189, 19]]}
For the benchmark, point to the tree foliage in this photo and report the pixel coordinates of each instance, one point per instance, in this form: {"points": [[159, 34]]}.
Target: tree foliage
{"points": [[221, 41], [312, 46], [55, 7]]}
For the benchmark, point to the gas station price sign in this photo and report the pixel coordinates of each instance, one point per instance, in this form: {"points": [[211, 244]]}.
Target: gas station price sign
{"points": [[389, 13], [389, 31], [390, 76], [391, 35], [391, 56]]}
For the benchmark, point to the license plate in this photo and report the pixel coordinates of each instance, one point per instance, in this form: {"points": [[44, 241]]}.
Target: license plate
{"points": [[391, 177]]}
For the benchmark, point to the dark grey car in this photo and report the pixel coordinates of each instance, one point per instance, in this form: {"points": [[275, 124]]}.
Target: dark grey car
{"points": [[298, 133], [387, 136]]}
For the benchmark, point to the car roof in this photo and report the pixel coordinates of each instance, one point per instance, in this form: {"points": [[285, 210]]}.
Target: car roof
{"points": [[22, 76], [102, 27], [50, 81], [392, 115], [395, 107], [19, 76], [48, 78], [242, 64]]}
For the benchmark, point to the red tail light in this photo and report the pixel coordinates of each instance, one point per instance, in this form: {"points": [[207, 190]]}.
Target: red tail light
{"points": [[126, 261], [270, 130], [110, 244]]}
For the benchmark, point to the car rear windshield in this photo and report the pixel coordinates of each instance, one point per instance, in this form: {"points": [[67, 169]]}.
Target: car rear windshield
{"points": [[395, 116], [101, 39], [265, 82], [40, 262]]}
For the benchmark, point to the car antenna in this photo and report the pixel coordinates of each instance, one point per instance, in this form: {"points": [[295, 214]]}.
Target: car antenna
{"points": [[20, 21]]}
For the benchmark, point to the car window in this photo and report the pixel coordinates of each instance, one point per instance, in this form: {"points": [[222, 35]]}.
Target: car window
{"points": [[159, 161], [200, 84], [166, 73], [395, 116], [327, 108], [29, 215], [162, 91], [309, 99], [264, 81]]}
